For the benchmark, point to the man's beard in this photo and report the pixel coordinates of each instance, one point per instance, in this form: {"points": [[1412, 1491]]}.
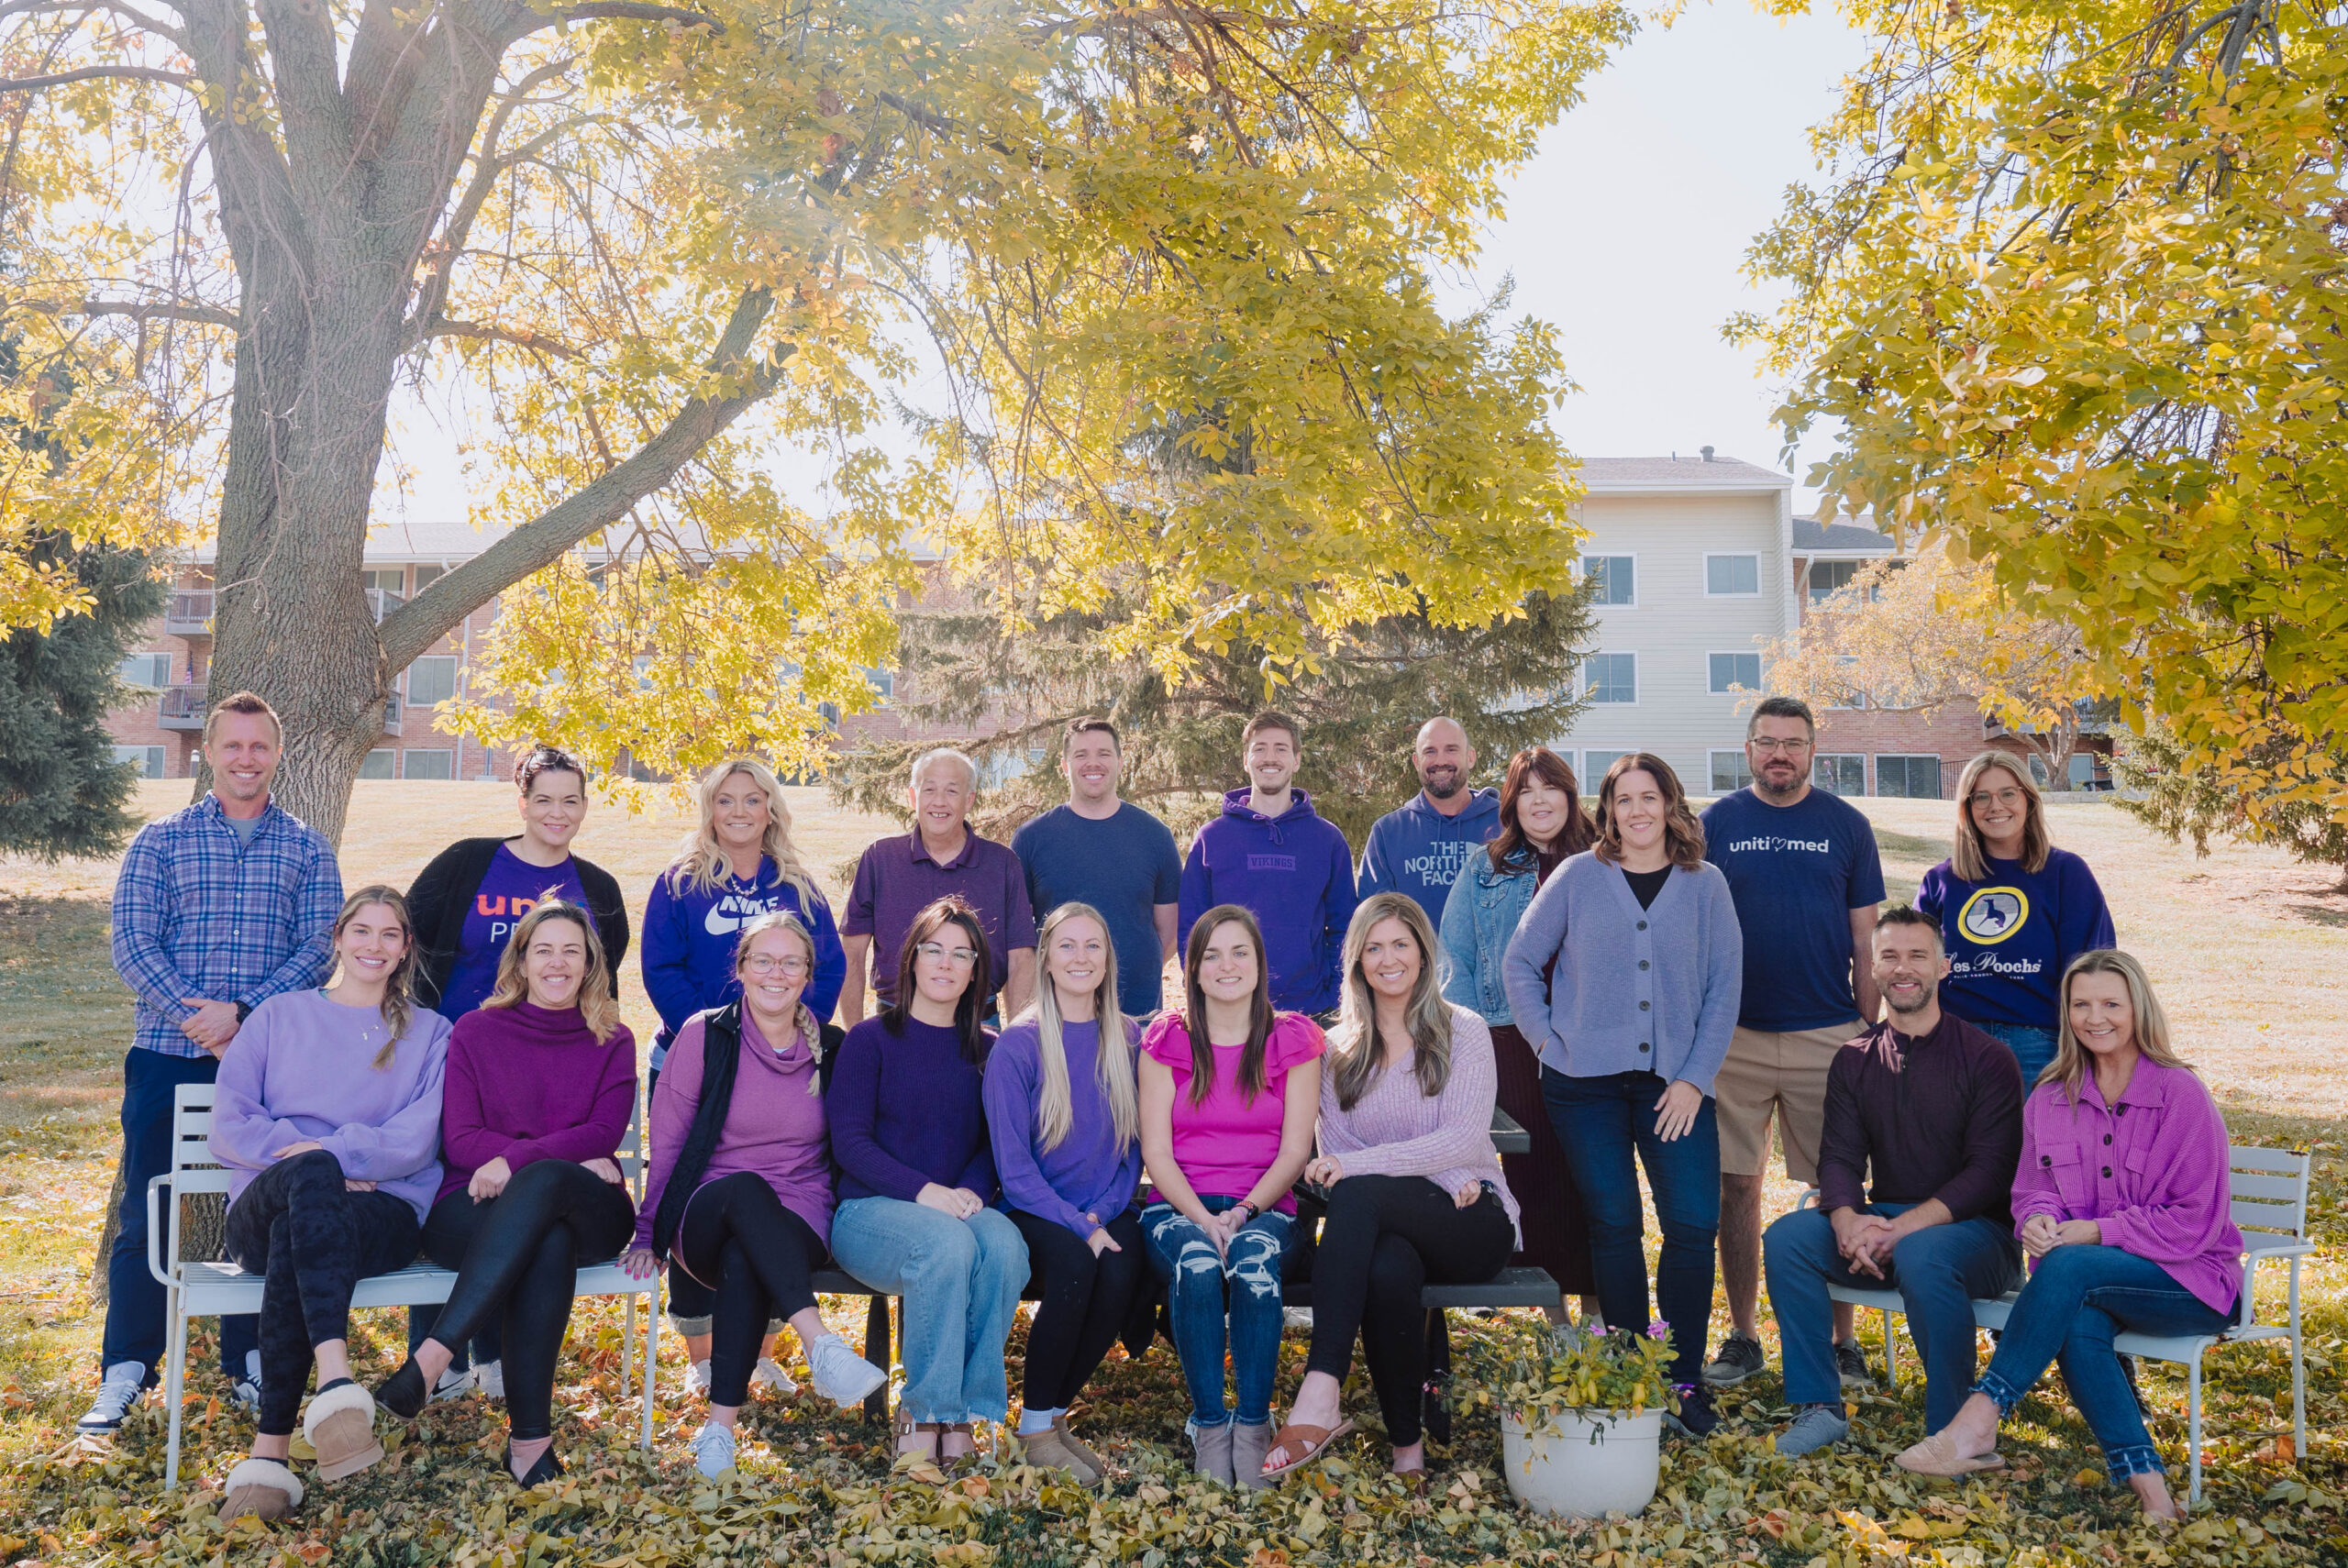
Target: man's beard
{"points": [[1442, 783], [1762, 782]]}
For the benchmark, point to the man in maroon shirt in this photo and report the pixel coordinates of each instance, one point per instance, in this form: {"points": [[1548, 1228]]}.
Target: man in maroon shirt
{"points": [[1931, 1108]]}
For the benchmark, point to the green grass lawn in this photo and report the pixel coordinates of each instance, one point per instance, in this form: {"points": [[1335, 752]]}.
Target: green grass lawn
{"points": [[2251, 954]]}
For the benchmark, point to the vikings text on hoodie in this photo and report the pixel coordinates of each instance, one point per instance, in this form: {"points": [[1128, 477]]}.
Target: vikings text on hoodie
{"points": [[1417, 850], [1295, 874]]}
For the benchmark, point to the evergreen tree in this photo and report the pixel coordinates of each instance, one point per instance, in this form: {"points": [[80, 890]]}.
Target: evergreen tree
{"points": [[1361, 698], [2173, 793], [61, 792]]}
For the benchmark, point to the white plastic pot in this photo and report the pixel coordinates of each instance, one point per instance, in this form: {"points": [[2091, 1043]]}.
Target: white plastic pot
{"points": [[1583, 1465]]}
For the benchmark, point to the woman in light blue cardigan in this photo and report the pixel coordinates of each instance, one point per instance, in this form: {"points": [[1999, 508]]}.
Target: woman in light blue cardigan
{"points": [[1632, 1024]]}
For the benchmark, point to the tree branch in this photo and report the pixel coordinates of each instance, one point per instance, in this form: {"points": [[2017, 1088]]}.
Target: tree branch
{"points": [[543, 540], [625, 11], [137, 310], [97, 73], [487, 332]]}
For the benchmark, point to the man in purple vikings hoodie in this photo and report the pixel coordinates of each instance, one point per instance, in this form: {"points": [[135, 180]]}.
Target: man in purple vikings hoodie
{"points": [[1288, 865]]}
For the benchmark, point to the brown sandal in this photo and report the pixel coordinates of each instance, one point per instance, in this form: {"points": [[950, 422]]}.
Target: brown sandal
{"points": [[901, 1426], [1303, 1444]]}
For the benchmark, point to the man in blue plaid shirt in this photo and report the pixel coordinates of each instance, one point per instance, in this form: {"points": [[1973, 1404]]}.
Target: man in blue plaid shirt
{"points": [[218, 907]]}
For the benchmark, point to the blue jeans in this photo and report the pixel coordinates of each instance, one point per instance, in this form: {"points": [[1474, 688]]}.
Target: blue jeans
{"points": [[1938, 1272], [1201, 1287], [2076, 1301], [1604, 1123], [2033, 1048], [136, 1309], [960, 1281]]}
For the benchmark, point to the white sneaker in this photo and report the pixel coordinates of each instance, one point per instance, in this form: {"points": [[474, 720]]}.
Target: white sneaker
{"points": [[1296, 1319], [714, 1450], [119, 1390], [246, 1388], [771, 1374], [697, 1378], [453, 1385], [841, 1375], [489, 1376]]}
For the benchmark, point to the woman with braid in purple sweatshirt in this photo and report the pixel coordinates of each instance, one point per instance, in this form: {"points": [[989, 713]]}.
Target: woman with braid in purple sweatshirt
{"points": [[327, 1116], [2124, 1201], [541, 1081]]}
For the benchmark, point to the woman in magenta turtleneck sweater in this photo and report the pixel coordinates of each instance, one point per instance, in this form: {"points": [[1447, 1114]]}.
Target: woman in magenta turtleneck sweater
{"points": [[540, 1083]]}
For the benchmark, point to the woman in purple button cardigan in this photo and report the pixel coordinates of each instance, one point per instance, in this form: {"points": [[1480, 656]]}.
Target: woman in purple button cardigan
{"points": [[2123, 1201]]}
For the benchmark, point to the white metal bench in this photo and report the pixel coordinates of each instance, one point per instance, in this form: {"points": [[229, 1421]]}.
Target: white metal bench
{"points": [[2270, 1208], [208, 1289]]}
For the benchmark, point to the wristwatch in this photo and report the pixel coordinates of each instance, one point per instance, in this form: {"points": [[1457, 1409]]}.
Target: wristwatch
{"points": [[1252, 1211], [244, 1011]]}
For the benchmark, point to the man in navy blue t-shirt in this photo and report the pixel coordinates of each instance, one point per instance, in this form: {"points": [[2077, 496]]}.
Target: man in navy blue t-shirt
{"points": [[1802, 866], [1110, 853]]}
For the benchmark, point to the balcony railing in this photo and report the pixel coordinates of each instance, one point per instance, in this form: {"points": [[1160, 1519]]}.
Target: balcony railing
{"points": [[189, 614], [182, 708], [382, 601], [391, 715]]}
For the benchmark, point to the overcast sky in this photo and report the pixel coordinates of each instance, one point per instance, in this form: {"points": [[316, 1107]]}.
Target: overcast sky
{"points": [[1627, 232]]}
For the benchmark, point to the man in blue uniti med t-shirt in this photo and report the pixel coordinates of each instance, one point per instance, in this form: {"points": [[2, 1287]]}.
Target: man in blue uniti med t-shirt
{"points": [[1802, 868], [1108, 853]]}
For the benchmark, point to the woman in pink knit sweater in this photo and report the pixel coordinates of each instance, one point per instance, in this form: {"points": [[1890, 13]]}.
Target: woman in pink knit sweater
{"points": [[1415, 1190], [2124, 1201]]}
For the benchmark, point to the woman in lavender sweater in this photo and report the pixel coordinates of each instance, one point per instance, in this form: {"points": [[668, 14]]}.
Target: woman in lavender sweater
{"points": [[740, 1196], [541, 1081], [327, 1116], [1063, 1117], [1415, 1186], [2124, 1199]]}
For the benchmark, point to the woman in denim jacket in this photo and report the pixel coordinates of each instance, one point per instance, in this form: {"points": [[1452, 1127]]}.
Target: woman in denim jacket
{"points": [[1543, 822]]}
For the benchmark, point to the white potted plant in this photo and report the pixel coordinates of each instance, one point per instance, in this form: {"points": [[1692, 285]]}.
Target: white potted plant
{"points": [[1581, 1415]]}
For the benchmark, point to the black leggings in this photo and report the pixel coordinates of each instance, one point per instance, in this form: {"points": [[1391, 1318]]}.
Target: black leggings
{"points": [[1384, 1237], [757, 1258], [519, 1254], [1084, 1303], [312, 1240]]}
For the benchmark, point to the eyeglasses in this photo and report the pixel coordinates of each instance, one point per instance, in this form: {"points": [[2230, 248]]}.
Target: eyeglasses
{"points": [[2001, 797], [1767, 745], [761, 965], [934, 950]]}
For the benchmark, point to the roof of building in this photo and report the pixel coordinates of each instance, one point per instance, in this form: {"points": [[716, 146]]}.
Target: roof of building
{"points": [[429, 539], [1812, 537], [1680, 471]]}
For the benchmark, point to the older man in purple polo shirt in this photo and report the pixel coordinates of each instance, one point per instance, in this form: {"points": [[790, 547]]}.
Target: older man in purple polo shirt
{"points": [[898, 878]]}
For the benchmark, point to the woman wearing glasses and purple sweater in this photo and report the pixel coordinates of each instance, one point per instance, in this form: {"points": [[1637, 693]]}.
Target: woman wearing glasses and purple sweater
{"points": [[909, 1134]]}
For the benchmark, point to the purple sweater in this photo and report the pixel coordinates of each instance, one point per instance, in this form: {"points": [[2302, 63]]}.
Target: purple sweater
{"points": [[906, 1111], [774, 1125], [1089, 1172], [1395, 1128], [303, 1070], [2152, 1171], [528, 1084]]}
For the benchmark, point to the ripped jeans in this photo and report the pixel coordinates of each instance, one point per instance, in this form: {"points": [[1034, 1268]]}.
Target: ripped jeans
{"points": [[1201, 1287]]}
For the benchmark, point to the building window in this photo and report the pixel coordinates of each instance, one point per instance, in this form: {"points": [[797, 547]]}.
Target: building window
{"points": [[376, 763], [1617, 577], [1731, 771], [431, 679], [147, 759], [1594, 765], [426, 576], [1729, 670], [1732, 577], [1611, 677], [147, 669], [428, 765], [1827, 576], [1841, 773], [1916, 778], [883, 683]]}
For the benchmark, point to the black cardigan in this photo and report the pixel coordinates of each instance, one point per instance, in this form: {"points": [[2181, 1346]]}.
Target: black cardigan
{"points": [[444, 891]]}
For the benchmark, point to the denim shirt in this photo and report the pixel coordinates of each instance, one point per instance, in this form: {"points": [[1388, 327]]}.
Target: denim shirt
{"points": [[1478, 920]]}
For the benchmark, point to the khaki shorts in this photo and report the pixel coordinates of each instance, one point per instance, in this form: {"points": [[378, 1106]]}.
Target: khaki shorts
{"points": [[1784, 1073]]}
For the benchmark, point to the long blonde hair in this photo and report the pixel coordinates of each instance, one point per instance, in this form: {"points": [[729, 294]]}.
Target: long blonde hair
{"points": [[597, 1009], [399, 986], [1354, 1043], [1969, 857], [1112, 1062], [701, 863], [2071, 1064], [783, 919]]}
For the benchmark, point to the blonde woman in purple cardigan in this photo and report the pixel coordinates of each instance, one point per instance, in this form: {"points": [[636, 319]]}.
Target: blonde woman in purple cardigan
{"points": [[2124, 1201], [1415, 1190]]}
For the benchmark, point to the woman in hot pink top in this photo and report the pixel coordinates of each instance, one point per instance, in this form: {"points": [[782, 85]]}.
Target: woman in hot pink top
{"points": [[2124, 1201], [1226, 1123]]}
